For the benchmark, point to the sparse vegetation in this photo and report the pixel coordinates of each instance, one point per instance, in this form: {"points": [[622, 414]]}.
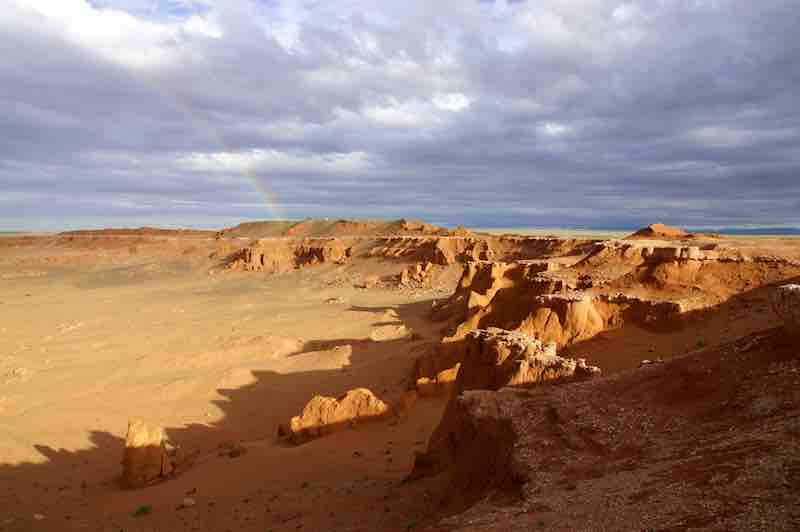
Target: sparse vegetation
{"points": [[143, 510]]}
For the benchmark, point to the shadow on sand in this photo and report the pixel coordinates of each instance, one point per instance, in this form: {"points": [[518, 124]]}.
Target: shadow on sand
{"points": [[250, 413]]}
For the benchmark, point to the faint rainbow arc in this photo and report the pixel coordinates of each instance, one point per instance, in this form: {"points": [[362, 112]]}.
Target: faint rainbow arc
{"points": [[269, 197]]}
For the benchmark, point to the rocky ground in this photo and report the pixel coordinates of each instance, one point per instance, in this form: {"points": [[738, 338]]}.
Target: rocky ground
{"points": [[286, 376]]}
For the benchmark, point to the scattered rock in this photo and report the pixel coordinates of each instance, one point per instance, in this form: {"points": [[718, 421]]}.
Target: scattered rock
{"points": [[418, 275], [390, 332], [188, 502], [232, 449]]}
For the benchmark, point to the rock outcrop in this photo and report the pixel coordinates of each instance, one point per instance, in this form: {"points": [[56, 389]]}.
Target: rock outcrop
{"points": [[705, 441], [615, 284], [660, 231], [448, 250], [417, 275], [492, 359], [278, 255], [786, 304], [145, 459], [325, 415], [495, 358]]}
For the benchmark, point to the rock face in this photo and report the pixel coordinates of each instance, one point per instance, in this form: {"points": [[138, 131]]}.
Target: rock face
{"points": [[475, 442], [277, 255], [145, 459], [527, 458], [495, 358], [525, 297], [492, 358], [786, 304], [614, 284], [468, 247], [324, 415]]}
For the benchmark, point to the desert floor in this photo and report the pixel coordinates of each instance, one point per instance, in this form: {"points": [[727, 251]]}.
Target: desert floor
{"points": [[86, 346]]}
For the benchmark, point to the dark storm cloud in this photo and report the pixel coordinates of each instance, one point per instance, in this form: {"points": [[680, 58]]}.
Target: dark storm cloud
{"points": [[588, 112]]}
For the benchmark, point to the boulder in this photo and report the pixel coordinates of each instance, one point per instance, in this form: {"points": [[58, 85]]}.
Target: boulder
{"points": [[145, 459], [324, 415], [786, 304]]}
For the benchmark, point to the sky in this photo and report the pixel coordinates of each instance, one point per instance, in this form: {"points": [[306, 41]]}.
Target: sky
{"points": [[549, 113]]}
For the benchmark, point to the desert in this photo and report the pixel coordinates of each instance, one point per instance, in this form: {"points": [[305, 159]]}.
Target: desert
{"points": [[399, 266], [285, 377]]}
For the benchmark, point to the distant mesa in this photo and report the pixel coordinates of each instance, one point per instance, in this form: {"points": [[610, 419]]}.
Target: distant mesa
{"points": [[660, 231], [317, 228], [140, 231]]}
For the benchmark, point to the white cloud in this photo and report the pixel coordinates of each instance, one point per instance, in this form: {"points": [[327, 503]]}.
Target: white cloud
{"points": [[722, 136], [454, 101], [116, 34], [555, 129], [246, 162]]}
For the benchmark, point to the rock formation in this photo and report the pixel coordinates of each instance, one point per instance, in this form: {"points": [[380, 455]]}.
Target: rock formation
{"points": [[786, 304], [277, 255], [492, 359], [448, 250], [495, 358], [614, 284], [660, 231], [145, 459], [417, 275], [324, 415], [721, 428]]}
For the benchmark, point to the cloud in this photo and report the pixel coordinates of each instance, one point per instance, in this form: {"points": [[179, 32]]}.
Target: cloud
{"points": [[587, 112]]}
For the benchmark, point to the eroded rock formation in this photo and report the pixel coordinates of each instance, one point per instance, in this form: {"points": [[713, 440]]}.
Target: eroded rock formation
{"points": [[721, 428], [417, 275], [786, 304], [493, 358], [277, 255], [615, 284], [145, 459], [660, 231], [325, 415]]}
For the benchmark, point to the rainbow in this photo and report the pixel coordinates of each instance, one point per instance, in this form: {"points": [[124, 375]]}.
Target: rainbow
{"points": [[259, 185]]}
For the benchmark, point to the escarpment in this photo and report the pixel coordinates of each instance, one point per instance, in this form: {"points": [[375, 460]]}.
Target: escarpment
{"points": [[279, 255]]}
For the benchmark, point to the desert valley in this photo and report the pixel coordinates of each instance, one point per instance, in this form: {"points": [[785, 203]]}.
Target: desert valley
{"points": [[359, 375]]}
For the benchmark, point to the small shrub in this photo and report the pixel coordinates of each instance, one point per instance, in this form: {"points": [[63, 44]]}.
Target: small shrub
{"points": [[701, 343], [143, 510]]}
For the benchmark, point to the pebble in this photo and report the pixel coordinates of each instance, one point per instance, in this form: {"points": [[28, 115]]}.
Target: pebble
{"points": [[38, 517], [188, 502]]}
